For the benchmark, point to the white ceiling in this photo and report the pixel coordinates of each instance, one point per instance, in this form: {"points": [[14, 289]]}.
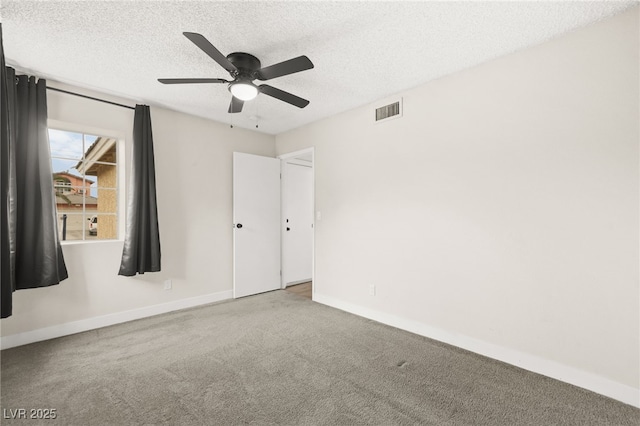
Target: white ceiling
{"points": [[362, 51]]}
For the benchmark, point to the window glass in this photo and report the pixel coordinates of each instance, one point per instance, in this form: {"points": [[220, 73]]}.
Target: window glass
{"points": [[85, 184]]}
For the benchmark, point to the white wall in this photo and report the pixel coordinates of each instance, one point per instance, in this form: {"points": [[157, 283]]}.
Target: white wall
{"points": [[193, 158], [500, 213]]}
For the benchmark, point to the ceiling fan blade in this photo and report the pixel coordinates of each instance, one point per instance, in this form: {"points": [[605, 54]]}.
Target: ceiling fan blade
{"points": [[203, 43], [191, 80], [235, 105], [283, 96], [301, 63]]}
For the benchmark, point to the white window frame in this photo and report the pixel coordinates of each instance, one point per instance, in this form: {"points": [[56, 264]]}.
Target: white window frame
{"points": [[120, 172]]}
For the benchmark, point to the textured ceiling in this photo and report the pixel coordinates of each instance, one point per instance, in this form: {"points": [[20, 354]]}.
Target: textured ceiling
{"points": [[362, 51]]}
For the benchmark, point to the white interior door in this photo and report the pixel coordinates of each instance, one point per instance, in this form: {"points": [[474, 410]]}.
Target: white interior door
{"points": [[256, 220], [297, 226]]}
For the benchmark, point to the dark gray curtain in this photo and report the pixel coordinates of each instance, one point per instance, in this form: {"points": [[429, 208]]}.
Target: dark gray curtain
{"points": [[32, 229], [141, 251], [8, 183], [39, 259]]}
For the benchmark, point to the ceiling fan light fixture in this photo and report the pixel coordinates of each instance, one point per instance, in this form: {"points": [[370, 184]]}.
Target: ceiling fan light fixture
{"points": [[243, 90]]}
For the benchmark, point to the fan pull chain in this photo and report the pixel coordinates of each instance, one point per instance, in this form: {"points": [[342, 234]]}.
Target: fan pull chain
{"points": [[257, 113]]}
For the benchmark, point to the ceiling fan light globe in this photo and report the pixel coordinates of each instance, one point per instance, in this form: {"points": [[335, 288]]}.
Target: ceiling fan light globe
{"points": [[243, 91]]}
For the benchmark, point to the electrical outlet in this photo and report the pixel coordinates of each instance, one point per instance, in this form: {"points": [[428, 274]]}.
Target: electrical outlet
{"points": [[167, 285], [372, 289]]}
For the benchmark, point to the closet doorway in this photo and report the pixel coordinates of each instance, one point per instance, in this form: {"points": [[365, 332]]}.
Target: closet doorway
{"points": [[297, 218]]}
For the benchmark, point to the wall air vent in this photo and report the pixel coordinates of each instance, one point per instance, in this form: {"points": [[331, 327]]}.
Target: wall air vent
{"points": [[387, 112]]}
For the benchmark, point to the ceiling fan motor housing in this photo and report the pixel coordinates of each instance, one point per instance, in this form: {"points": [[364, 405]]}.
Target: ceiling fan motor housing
{"points": [[246, 64]]}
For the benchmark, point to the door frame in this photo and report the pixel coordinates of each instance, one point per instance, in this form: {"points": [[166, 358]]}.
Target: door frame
{"points": [[283, 159]]}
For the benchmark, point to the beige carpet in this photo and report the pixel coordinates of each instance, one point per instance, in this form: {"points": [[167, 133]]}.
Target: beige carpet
{"points": [[278, 358]]}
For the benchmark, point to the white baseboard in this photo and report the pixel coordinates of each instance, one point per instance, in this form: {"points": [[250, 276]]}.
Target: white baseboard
{"points": [[74, 327], [555, 370]]}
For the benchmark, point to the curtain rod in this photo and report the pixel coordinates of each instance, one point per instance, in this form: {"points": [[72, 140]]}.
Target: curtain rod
{"points": [[90, 97]]}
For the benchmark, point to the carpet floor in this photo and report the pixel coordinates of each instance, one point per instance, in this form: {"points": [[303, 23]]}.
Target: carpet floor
{"points": [[278, 358]]}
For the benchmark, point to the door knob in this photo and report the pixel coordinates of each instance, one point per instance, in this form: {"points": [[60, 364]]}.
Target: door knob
{"points": [[288, 229], [239, 226]]}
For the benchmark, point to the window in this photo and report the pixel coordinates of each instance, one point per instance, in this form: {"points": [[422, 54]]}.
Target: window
{"points": [[85, 183]]}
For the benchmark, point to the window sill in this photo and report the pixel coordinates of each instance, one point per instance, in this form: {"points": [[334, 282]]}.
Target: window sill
{"points": [[82, 242]]}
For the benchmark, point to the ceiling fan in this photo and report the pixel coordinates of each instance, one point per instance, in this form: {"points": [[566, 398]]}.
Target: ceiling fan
{"points": [[244, 68]]}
